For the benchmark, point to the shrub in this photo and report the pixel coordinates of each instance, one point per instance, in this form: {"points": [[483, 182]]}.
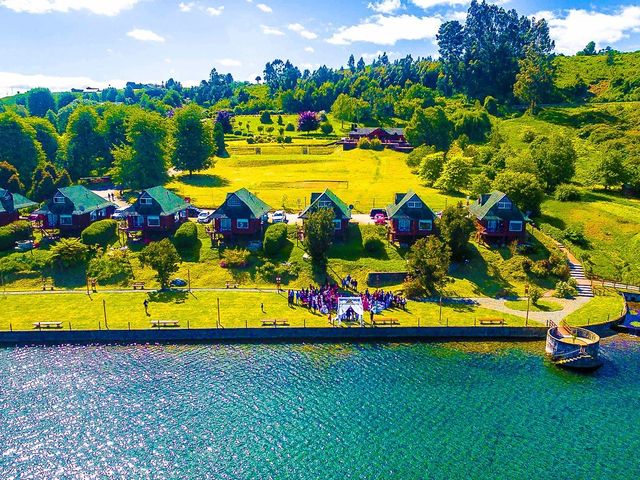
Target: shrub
{"points": [[491, 105], [275, 238], [376, 144], [112, 267], [326, 128], [287, 139], [265, 117], [535, 294], [414, 158], [10, 234], [69, 252], [373, 244], [270, 129], [412, 289], [235, 258], [575, 236], [251, 140], [102, 233], [186, 236], [565, 290], [280, 121], [286, 271], [528, 136], [364, 143], [567, 193], [290, 127]]}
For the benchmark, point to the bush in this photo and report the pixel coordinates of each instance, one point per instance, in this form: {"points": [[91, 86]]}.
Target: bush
{"points": [[286, 271], [364, 143], [235, 258], [414, 158], [491, 105], [10, 234], [265, 117], [373, 244], [275, 238], [565, 290], [575, 236], [290, 127], [69, 252], [567, 193], [376, 144], [186, 236], [326, 128], [112, 267], [535, 294], [287, 139], [528, 136], [102, 233], [251, 140]]}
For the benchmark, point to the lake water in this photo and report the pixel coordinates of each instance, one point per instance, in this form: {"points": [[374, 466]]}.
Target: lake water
{"points": [[467, 411]]}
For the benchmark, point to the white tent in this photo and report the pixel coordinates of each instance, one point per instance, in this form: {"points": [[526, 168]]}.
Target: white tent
{"points": [[353, 303]]}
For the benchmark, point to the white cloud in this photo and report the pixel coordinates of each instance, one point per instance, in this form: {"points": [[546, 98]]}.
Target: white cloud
{"points": [[267, 30], [265, 8], [426, 4], [300, 30], [11, 82], [309, 49], [145, 35], [215, 11], [98, 7], [186, 7], [578, 27], [387, 30], [385, 6], [229, 62]]}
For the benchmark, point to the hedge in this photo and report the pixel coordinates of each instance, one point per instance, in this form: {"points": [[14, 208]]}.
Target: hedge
{"points": [[275, 238], [102, 233], [10, 234], [186, 236], [373, 244]]}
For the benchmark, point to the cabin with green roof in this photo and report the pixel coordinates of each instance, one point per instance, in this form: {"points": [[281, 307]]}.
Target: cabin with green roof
{"points": [[409, 218], [156, 209], [72, 209], [341, 211], [498, 219], [242, 216], [10, 203]]}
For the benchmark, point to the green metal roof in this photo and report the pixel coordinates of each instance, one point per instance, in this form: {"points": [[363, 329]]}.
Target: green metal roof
{"points": [[10, 202], [487, 206], [83, 199], [258, 207], [169, 202], [393, 209], [342, 207]]}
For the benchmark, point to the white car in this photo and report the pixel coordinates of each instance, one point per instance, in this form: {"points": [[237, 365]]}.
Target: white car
{"points": [[204, 216], [119, 213], [279, 216]]}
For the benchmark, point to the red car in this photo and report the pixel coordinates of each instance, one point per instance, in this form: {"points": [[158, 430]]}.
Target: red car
{"points": [[380, 219]]}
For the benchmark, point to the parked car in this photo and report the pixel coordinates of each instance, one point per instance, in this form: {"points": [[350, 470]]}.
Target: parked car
{"points": [[205, 216], [193, 212], [279, 216], [377, 211], [380, 219], [119, 213]]}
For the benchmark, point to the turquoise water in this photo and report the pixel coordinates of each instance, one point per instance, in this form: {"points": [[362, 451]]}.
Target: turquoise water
{"points": [[323, 411]]}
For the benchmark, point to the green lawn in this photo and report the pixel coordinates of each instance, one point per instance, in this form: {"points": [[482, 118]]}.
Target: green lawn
{"points": [[543, 305], [598, 310]]}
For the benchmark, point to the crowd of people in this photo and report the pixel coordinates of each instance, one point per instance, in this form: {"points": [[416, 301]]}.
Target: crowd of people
{"points": [[381, 300]]}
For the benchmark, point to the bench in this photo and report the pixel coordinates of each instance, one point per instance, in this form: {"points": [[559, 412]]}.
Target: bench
{"points": [[492, 321], [385, 321], [47, 286], [275, 323], [165, 323], [231, 285], [138, 285], [41, 325]]}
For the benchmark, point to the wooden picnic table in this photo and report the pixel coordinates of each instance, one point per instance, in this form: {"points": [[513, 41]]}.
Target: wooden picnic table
{"points": [[165, 323], [492, 321], [41, 325], [274, 322], [137, 285], [385, 321]]}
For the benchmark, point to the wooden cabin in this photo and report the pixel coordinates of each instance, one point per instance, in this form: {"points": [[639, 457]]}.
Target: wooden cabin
{"points": [[156, 210], [72, 209], [409, 218], [241, 216], [498, 219], [10, 204], [384, 134], [341, 211]]}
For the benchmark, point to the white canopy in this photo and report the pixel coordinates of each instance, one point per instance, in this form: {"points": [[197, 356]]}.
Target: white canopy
{"points": [[353, 303]]}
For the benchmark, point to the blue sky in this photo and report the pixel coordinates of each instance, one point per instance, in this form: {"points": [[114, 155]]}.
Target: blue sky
{"points": [[65, 43]]}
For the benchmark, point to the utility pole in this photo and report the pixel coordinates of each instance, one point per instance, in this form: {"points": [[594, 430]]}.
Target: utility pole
{"points": [[218, 324], [526, 291]]}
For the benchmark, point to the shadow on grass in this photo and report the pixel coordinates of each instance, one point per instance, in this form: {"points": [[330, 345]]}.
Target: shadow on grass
{"points": [[487, 278], [553, 221], [203, 180], [350, 248], [168, 296], [69, 277]]}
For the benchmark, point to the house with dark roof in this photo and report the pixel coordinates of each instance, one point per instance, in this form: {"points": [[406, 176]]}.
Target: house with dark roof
{"points": [[498, 219], [341, 211], [384, 134], [156, 210], [10, 203], [242, 215], [409, 218], [72, 209]]}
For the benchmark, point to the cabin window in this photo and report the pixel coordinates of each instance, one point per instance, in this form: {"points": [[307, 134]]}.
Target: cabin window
{"points": [[425, 225], [58, 199], [101, 213], [225, 224], [242, 224], [324, 204], [492, 225], [183, 213], [93, 216], [153, 221], [66, 220], [138, 221], [504, 205], [337, 224], [414, 204], [145, 201], [404, 224], [234, 201], [515, 226]]}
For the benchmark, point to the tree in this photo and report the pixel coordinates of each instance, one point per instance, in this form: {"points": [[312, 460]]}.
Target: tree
{"points": [[430, 127], [534, 81], [218, 139], [590, 49], [361, 65], [524, 189], [46, 135], [9, 178], [555, 159], [431, 168], [84, 143], [162, 257], [428, 262], [611, 170], [480, 184], [308, 122], [455, 174], [173, 99], [265, 117], [343, 109], [223, 117], [142, 162], [64, 99], [455, 227], [193, 140], [19, 146], [318, 234], [113, 130], [351, 63], [39, 100]]}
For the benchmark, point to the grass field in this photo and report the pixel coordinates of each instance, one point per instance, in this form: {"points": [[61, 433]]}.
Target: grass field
{"points": [[599, 309], [543, 305]]}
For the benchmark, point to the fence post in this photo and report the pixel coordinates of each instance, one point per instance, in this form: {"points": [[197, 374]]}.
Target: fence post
{"points": [[188, 325], [418, 322], [246, 323], [10, 327], [99, 325], [129, 325], [474, 321]]}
